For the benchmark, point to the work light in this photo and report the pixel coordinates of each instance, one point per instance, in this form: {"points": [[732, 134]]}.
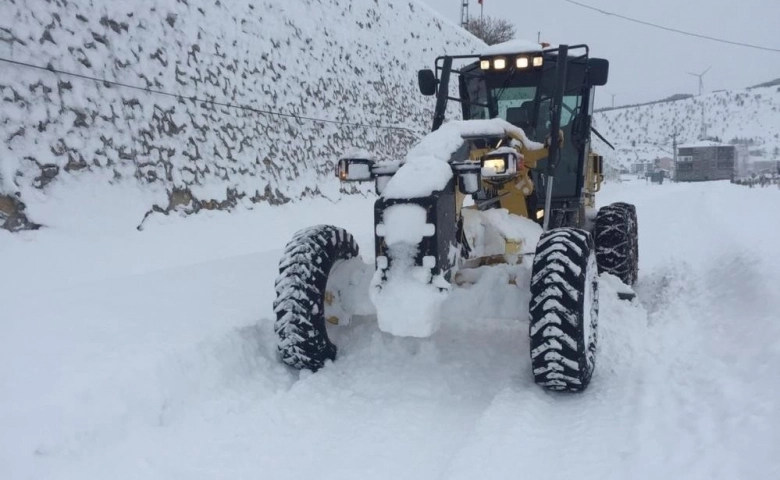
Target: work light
{"points": [[522, 62], [500, 164]]}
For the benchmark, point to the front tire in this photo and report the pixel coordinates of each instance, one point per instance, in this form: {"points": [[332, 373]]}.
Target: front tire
{"points": [[564, 310], [302, 339]]}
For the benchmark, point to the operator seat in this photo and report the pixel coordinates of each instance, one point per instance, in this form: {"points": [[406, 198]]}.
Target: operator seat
{"points": [[521, 116]]}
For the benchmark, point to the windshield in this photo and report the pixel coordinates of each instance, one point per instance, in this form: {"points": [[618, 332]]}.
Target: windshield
{"points": [[524, 101], [516, 105], [567, 173]]}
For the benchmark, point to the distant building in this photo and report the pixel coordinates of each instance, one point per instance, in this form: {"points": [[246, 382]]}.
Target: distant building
{"points": [[641, 168], [705, 160], [742, 166]]}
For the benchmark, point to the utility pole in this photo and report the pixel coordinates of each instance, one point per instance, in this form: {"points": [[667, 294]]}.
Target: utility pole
{"points": [[613, 99], [464, 13], [703, 123], [675, 134]]}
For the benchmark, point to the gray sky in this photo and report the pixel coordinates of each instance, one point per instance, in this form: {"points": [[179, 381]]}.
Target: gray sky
{"points": [[647, 63]]}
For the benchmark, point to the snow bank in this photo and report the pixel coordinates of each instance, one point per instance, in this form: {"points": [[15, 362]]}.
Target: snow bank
{"points": [[151, 356], [350, 61]]}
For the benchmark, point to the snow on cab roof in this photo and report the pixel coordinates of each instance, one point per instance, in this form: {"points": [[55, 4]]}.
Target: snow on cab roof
{"points": [[515, 46]]}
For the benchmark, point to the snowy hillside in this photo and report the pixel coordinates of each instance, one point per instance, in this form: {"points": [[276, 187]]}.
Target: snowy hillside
{"points": [[348, 61], [644, 132], [151, 355]]}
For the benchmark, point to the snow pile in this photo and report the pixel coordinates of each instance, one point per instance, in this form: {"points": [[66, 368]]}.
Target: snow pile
{"points": [[405, 223], [408, 298], [348, 283], [426, 167], [265, 63], [418, 178], [445, 141], [488, 231]]}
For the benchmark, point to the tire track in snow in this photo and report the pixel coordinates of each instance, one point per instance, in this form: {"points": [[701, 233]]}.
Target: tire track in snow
{"points": [[653, 381], [529, 431]]}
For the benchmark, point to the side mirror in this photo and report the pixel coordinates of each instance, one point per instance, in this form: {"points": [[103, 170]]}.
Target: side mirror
{"points": [[598, 71], [427, 82], [354, 170], [598, 165]]}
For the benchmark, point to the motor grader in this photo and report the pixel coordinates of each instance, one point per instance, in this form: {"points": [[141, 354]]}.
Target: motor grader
{"points": [[519, 160]]}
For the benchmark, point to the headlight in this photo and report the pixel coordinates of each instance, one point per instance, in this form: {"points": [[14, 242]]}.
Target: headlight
{"points": [[484, 64], [539, 214], [497, 165], [500, 163], [522, 62], [499, 63], [538, 61]]}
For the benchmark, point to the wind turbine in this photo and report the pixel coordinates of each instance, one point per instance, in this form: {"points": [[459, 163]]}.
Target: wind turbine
{"points": [[701, 78]]}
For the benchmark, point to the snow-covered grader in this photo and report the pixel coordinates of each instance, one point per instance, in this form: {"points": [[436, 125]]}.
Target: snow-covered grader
{"points": [[514, 181]]}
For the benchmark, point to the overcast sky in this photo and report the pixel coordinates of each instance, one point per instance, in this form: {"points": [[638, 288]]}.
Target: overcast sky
{"points": [[647, 63]]}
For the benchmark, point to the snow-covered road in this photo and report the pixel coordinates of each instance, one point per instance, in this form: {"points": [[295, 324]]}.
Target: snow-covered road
{"points": [[145, 355]]}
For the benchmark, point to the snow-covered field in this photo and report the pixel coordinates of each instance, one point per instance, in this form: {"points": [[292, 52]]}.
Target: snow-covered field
{"points": [[145, 355]]}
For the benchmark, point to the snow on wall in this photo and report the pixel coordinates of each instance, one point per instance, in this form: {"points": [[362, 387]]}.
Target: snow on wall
{"points": [[347, 60]]}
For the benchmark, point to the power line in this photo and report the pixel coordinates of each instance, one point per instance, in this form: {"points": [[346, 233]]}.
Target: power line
{"points": [[675, 30], [203, 100]]}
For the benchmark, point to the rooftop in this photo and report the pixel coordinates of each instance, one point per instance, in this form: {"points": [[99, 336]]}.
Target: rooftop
{"points": [[704, 144]]}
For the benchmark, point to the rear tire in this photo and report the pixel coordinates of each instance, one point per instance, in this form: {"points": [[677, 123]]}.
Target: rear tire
{"points": [[302, 339], [617, 245], [564, 310]]}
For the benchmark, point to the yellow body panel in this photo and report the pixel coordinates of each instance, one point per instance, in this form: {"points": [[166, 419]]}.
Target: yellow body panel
{"points": [[514, 191]]}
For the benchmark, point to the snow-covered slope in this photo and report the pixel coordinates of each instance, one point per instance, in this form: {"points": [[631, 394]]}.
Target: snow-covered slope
{"points": [[151, 356], [644, 132], [348, 61]]}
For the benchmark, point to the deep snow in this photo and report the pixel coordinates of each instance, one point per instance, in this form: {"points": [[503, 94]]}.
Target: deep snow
{"points": [[142, 355]]}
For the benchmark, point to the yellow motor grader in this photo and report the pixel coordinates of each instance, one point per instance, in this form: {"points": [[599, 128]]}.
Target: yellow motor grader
{"points": [[520, 159]]}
